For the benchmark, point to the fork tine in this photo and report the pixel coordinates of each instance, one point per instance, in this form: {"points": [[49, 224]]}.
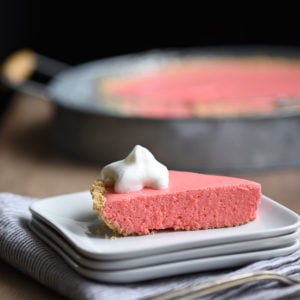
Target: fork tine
{"points": [[205, 289]]}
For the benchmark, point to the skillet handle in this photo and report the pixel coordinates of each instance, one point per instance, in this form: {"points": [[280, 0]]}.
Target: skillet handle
{"points": [[28, 72]]}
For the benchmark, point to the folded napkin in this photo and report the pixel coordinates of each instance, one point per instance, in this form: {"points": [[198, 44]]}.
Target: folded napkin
{"points": [[26, 252]]}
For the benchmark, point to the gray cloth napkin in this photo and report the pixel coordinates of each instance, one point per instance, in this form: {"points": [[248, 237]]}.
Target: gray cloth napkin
{"points": [[26, 252]]}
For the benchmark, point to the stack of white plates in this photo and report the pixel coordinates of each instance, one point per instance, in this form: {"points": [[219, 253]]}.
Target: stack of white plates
{"points": [[69, 225]]}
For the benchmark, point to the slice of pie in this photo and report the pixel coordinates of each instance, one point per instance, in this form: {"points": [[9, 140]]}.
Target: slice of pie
{"points": [[192, 201]]}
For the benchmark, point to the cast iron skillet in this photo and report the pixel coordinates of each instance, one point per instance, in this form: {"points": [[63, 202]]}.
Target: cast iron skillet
{"points": [[85, 128]]}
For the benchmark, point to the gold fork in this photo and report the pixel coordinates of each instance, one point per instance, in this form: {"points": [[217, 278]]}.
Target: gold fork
{"points": [[200, 290]]}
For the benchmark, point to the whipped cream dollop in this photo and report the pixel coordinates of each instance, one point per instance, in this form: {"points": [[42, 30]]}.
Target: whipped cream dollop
{"points": [[138, 170]]}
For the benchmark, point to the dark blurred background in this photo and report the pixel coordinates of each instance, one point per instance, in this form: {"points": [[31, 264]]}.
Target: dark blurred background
{"points": [[79, 32], [83, 31]]}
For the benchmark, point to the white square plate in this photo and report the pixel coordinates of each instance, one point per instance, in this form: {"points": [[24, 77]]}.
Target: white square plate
{"points": [[168, 269], [181, 267], [56, 241], [72, 216]]}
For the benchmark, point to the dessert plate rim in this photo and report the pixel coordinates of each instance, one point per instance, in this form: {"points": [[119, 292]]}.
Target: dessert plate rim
{"points": [[175, 268], [54, 240], [183, 267]]}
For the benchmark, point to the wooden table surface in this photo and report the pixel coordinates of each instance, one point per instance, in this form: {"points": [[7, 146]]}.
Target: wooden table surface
{"points": [[31, 165]]}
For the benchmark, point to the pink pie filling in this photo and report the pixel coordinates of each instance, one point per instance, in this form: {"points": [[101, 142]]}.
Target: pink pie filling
{"points": [[207, 88], [192, 201]]}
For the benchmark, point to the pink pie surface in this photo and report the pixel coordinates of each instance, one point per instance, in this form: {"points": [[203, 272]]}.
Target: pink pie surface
{"points": [[192, 201]]}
